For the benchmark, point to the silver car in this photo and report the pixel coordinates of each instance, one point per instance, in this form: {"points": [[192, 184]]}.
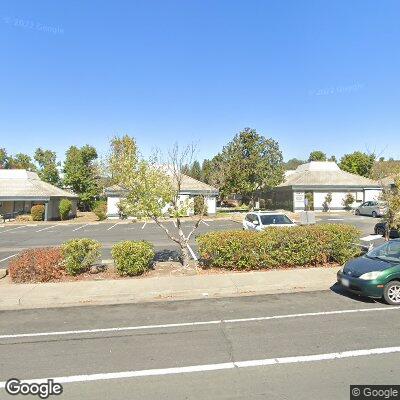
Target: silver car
{"points": [[373, 208], [258, 220]]}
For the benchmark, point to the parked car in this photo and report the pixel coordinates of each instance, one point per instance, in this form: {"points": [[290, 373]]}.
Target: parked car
{"points": [[381, 227], [373, 208], [375, 274], [259, 220]]}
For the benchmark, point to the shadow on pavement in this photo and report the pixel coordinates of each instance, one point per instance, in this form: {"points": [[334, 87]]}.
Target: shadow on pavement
{"points": [[167, 255], [337, 289]]}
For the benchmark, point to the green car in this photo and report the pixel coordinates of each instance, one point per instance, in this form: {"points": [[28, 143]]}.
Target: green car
{"points": [[375, 274]]}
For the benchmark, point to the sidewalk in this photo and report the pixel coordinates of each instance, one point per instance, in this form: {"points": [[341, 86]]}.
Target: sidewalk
{"points": [[47, 295]]}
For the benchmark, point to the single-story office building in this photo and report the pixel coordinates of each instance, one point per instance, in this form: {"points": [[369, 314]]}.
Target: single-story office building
{"points": [[21, 189], [190, 188], [318, 178]]}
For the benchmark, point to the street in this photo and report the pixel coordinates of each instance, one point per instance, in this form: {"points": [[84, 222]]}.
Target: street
{"points": [[15, 238], [206, 349]]}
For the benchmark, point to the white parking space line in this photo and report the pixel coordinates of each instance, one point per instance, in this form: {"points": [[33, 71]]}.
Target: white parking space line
{"points": [[144, 225], [77, 229], [113, 226], [7, 258], [205, 223], [47, 227], [216, 367], [197, 323], [334, 219], [14, 229]]}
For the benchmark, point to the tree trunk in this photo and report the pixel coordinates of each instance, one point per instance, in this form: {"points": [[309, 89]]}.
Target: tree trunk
{"points": [[185, 256]]}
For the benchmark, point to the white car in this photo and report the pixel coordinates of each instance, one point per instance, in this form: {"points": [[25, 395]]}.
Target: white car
{"points": [[259, 220]]}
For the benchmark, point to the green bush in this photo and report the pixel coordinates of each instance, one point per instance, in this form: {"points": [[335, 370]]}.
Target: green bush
{"points": [[80, 254], [65, 208], [132, 258], [100, 209], [279, 247], [200, 208], [37, 212]]}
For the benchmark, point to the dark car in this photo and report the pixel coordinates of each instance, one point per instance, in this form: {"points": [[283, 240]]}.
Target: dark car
{"points": [[381, 227], [375, 274]]}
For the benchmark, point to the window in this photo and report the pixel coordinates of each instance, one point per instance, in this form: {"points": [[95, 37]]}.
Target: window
{"points": [[278, 219]]}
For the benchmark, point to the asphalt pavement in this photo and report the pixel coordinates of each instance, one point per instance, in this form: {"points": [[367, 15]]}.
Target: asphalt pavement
{"points": [[15, 238], [290, 346]]}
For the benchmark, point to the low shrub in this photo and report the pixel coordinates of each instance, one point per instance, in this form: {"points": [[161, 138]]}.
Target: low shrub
{"points": [[132, 258], [37, 212], [100, 209], [65, 208], [279, 247], [80, 254], [37, 265]]}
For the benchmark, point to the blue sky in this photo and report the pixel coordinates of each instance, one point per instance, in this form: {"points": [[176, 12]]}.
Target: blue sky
{"points": [[310, 74]]}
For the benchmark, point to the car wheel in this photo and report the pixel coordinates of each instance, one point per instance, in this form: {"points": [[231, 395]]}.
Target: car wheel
{"points": [[357, 212], [380, 230], [391, 293], [374, 214]]}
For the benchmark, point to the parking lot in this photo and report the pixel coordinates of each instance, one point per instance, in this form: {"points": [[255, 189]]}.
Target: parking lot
{"points": [[14, 238]]}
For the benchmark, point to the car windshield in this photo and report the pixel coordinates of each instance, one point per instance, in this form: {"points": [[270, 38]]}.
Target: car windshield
{"points": [[275, 220], [389, 251]]}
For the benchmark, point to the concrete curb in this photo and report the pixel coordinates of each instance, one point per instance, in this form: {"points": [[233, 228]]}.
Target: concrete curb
{"points": [[3, 273], [68, 294]]}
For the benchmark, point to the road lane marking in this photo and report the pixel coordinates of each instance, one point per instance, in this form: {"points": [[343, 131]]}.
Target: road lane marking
{"points": [[196, 323], [77, 229], [113, 226], [14, 229], [48, 227], [334, 219], [216, 367], [205, 223], [7, 258], [174, 224], [192, 253], [144, 225]]}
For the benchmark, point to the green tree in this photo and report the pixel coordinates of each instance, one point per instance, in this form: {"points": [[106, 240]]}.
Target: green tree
{"points": [[357, 163], [333, 158], [4, 159], [195, 170], [293, 163], [250, 163], [48, 170], [391, 198], [123, 157], [153, 190], [317, 155], [22, 161], [80, 174]]}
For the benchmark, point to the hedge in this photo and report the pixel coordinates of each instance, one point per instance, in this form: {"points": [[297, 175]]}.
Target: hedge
{"points": [[310, 245], [37, 265], [132, 258], [80, 254]]}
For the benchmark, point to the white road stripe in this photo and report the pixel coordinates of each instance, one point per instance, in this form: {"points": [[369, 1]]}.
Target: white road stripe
{"points": [[7, 258], [205, 223], [13, 229], [215, 367], [212, 322], [192, 253], [77, 229], [113, 226], [144, 225], [48, 227], [174, 224]]}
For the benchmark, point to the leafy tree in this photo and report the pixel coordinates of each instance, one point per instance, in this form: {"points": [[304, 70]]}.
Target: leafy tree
{"points": [[48, 170], [195, 170], [123, 157], [317, 155], [357, 163], [348, 201], [4, 159], [80, 174], [22, 161], [332, 158], [391, 198], [383, 169], [293, 163], [249, 163], [153, 190]]}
